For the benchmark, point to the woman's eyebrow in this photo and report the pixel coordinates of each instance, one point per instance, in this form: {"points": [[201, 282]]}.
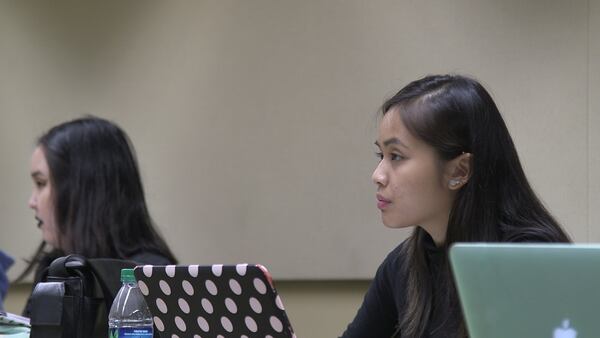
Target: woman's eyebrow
{"points": [[393, 140], [37, 174]]}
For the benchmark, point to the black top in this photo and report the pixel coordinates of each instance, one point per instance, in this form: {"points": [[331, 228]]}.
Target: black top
{"points": [[149, 257], [385, 300]]}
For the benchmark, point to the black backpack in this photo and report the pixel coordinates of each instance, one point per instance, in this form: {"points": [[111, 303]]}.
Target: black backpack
{"points": [[75, 296]]}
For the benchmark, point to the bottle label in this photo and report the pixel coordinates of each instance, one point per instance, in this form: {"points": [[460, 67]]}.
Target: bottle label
{"points": [[131, 332]]}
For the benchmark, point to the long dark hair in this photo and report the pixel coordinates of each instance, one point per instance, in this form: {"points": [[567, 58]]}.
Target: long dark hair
{"points": [[98, 196], [455, 114]]}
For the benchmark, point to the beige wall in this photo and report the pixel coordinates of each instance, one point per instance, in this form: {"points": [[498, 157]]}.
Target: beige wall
{"points": [[253, 119], [594, 121]]}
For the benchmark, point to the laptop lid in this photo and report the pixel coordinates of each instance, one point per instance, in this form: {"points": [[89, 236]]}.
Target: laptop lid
{"points": [[213, 301], [528, 290]]}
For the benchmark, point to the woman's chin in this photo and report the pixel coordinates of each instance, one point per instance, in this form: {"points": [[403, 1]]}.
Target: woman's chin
{"points": [[394, 225]]}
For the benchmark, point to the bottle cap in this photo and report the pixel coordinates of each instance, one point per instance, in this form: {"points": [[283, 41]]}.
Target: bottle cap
{"points": [[127, 276]]}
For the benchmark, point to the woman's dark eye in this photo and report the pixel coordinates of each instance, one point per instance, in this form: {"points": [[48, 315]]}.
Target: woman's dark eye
{"points": [[379, 155], [396, 157]]}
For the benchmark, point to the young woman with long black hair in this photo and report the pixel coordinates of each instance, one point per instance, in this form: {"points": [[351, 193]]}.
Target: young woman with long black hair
{"points": [[88, 197], [449, 167]]}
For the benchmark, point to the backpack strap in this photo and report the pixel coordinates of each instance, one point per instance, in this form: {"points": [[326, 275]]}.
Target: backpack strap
{"points": [[57, 268], [106, 271], [47, 310], [73, 266]]}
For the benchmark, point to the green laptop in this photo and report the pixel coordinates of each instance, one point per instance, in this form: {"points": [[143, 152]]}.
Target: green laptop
{"points": [[528, 290]]}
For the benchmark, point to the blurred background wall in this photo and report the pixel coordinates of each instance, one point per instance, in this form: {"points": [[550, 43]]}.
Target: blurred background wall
{"points": [[254, 121]]}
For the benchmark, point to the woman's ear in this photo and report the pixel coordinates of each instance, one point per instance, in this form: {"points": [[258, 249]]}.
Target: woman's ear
{"points": [[458, 171]]}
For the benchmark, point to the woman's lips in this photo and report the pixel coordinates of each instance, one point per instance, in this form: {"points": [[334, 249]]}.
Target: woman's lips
{"points": [[39, 222], [382, 202]]}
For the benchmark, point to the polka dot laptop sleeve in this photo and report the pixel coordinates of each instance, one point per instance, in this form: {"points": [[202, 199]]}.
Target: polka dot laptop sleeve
{"points": [[213, 301]]}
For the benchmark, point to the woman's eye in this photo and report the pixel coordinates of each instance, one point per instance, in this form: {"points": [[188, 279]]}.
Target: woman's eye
{"points": [[392, 156], [396, 157], [40, 184]]}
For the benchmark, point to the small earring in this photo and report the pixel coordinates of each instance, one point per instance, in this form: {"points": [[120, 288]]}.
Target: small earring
{"points": [[454, 182]]}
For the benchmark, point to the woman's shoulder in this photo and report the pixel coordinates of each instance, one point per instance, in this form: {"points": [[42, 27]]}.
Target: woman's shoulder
{"points": [[399, 252], [150, 257]]}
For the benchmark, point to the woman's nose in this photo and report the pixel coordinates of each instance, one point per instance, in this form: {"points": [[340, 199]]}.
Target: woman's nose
{"points": [[379, 176], [32, 201]]}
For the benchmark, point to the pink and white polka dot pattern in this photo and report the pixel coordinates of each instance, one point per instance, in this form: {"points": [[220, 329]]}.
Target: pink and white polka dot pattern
{"points": [[213, 301]]}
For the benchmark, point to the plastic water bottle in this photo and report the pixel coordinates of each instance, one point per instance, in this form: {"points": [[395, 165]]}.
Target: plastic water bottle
{"points": [[129, 315]]}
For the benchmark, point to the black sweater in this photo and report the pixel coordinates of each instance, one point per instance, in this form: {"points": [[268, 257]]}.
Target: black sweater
{"points": [[385, 300]]}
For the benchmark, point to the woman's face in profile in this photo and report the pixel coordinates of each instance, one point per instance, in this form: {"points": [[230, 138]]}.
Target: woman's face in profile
{"points": [[41, 197], [411, 188]]}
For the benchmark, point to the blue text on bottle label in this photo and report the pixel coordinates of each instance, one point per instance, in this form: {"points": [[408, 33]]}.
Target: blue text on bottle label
{"points": [[131, 332]]}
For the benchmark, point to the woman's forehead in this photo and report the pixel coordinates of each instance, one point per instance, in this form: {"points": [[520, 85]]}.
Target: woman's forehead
{"points": [[393, 130]]}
